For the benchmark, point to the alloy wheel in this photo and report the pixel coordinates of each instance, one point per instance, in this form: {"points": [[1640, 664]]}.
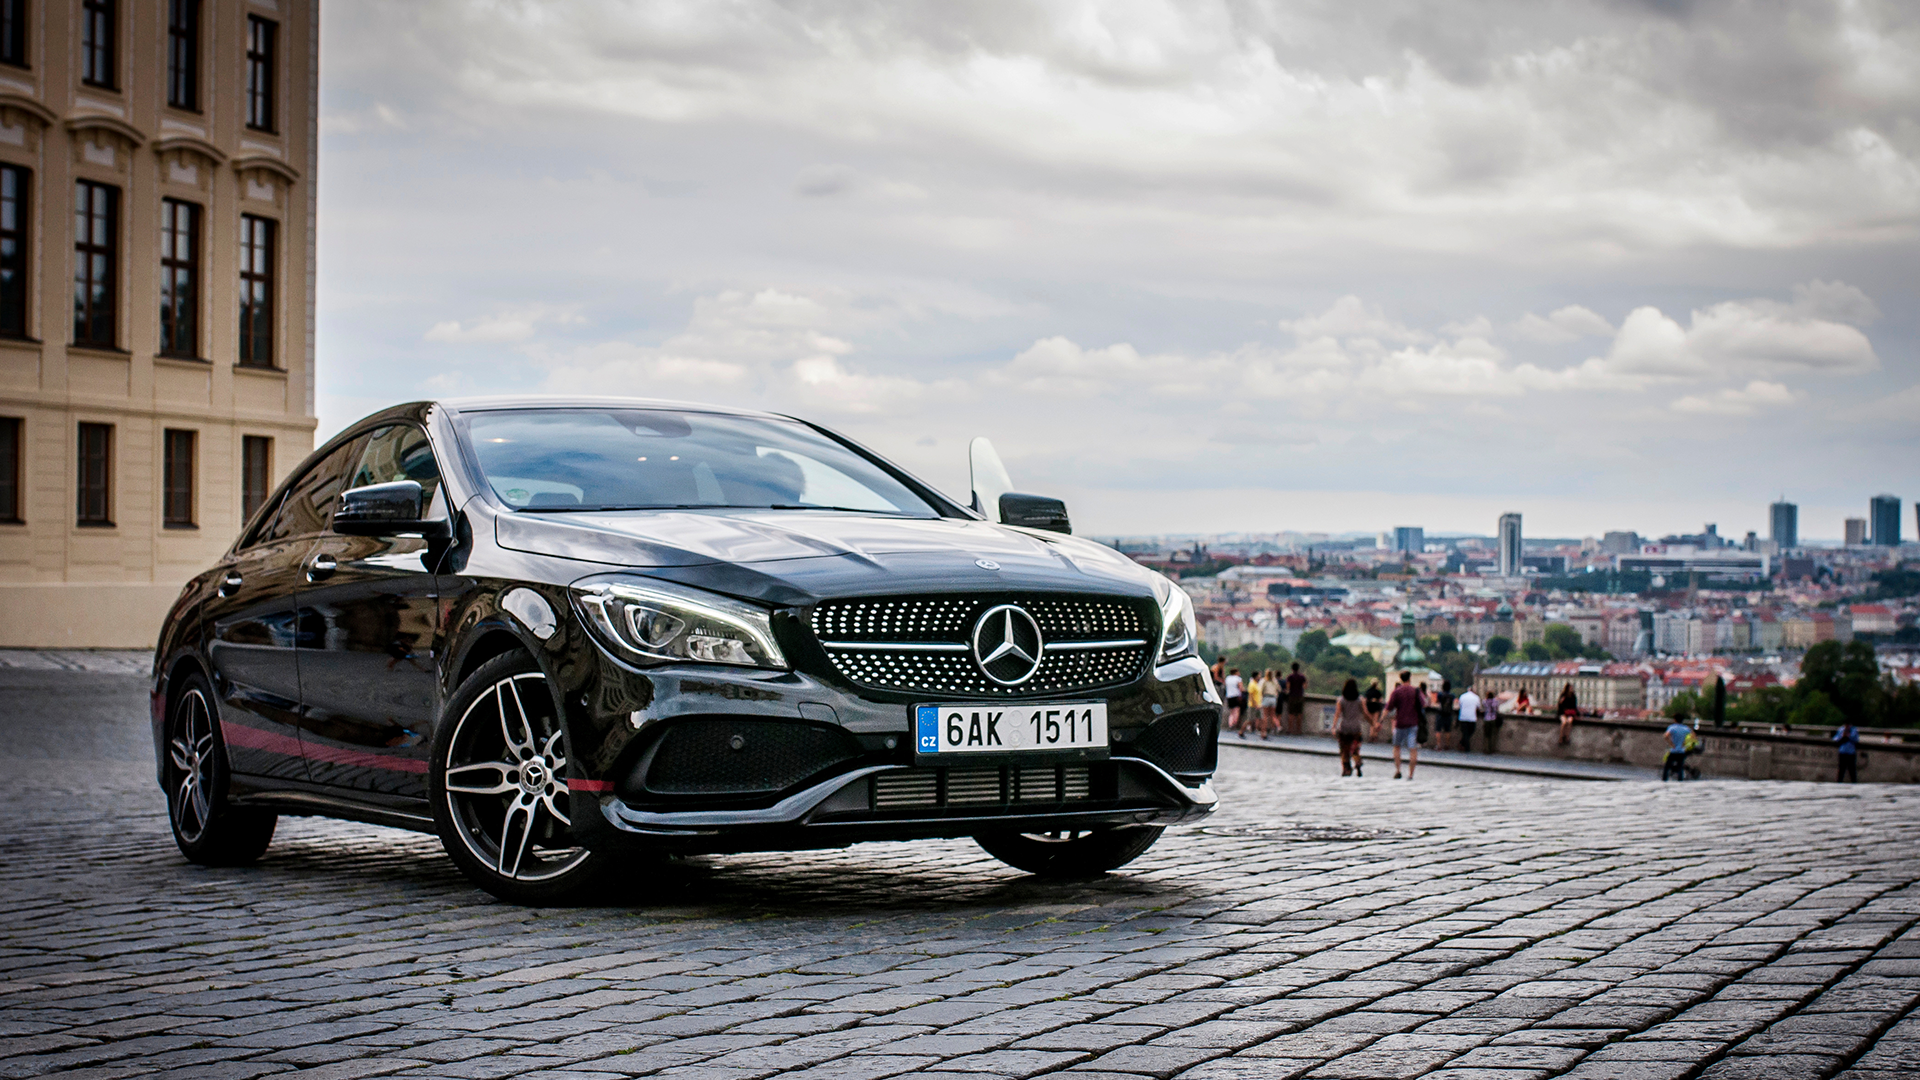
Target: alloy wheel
{"points": [[192, 754], [506, 782]]}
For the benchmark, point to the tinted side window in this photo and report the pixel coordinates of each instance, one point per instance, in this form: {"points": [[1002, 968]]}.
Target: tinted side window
{"points": [[307, 505], [394, 453]]}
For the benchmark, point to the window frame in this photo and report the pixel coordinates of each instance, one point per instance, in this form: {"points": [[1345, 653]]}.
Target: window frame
{"points": [[84, 460], [13, 34], [99, 51], [254, 311], [183, 55], [172, 269], [178, 472], [22, 207], [262, 59], [13, 445], [84, 249], [256, 478]]}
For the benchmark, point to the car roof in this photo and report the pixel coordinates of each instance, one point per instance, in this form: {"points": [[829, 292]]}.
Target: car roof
{"points": [[580, 401]]}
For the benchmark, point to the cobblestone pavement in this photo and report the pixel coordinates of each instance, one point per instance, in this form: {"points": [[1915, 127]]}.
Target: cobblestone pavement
{"points": [[1462, 925]]}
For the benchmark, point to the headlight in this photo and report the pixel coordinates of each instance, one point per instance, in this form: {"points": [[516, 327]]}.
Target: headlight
{"points": [[657, 623], [1179, 636]]}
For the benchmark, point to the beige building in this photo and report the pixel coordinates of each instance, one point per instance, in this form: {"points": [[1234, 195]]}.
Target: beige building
{"points": [[1603, 687], [156, 297]]}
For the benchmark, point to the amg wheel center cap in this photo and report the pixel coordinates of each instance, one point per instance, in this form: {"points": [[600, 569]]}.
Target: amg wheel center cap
{"points": [[533, 775], [1007, 644]]}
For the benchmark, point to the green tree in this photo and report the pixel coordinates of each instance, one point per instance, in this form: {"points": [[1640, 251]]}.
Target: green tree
{"points": [[1563, 641], [1310, 646], [1534, 650], [1903, 707], [1449, 643], [1766, 705], [1499, 648], [1817, 709], [1848, 676], [1685, 705]]}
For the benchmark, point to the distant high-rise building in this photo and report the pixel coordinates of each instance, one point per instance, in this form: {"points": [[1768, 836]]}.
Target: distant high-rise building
{"points": [[1752, 542], [1410, 538], [1510, 556], [1856, 531], [1620, 543], [1784, 524], [1884, 518]]}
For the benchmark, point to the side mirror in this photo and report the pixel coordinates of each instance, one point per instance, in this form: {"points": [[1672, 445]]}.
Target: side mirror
{"points": [[393, 509], [1034, 512]]}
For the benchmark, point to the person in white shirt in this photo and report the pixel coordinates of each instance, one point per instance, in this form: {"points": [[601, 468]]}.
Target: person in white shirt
{"points": [[1236, 698], [1469, 716]]}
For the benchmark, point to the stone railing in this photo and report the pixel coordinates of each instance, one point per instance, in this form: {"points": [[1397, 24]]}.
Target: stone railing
{"points": [[1725, 752]]}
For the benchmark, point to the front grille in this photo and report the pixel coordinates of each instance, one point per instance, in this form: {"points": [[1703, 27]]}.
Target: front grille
{"points": [[923, 644], [726, 756], [1182, 743], [973, 786]]}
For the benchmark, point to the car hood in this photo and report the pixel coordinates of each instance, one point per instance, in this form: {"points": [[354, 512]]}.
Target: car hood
{"points": [[790, 555]]}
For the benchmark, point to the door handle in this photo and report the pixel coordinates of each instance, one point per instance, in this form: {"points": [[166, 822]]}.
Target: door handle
{"points": [[230, 584], [321, 567]]}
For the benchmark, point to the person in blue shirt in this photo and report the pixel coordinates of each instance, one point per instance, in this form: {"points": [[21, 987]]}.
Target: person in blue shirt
{"points": [[1676, 763], [1847, 741]]}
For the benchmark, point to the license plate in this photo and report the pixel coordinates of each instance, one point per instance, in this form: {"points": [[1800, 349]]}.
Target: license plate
{"points": [[999, 729]]}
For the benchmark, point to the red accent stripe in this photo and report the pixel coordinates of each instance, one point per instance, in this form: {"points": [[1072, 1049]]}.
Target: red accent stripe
{"points": [[589, 785], [274, 742]]}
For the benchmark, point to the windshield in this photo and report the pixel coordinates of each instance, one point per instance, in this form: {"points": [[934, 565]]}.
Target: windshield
{"points": [[559, 460]]}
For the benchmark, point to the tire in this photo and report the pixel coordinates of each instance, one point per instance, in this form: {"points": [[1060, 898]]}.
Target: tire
{"points": [[1082, 853], [498, 785], [209, 830]]}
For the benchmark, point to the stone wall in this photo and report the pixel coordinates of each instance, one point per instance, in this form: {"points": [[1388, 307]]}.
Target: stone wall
{"points": [[1726, 753]]}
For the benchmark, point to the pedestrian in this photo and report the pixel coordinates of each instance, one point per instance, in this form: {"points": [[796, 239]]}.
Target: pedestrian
{"points": [[1373, 701], [1270, 697], [1349, 725], [1443, 716], [1297, 701], [1847, 741], [1490, 718], [1523, 704], [1219, 672], [1408, 707], [1569, 709], [1236, 698], [1469, 706], [1256, 719], [1676, 762]]}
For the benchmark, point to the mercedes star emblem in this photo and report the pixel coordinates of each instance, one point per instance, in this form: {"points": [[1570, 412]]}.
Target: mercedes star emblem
{"points": [[986, 564], [1007, 645]]}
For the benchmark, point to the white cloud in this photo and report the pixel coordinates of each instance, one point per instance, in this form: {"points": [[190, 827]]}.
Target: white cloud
{"points": [[1757, 395], [486, 331], [1566, 324]]}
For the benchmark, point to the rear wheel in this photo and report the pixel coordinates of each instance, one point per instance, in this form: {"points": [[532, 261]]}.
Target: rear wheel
{"points": [[209, 831], [1073, 853], [499, 787]]}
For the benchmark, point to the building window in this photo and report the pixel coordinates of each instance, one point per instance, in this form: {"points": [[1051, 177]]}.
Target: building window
{"points": [[260, 45], [96, 43], [183, 54], [176, 511], [256, 291], [96, 243], [95, 475], [179, 278], [13, 251], [13, 32], [256, 472], [10, 469]]}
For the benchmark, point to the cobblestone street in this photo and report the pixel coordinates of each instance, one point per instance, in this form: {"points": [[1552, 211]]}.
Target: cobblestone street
{"points": [[1466, 924]]}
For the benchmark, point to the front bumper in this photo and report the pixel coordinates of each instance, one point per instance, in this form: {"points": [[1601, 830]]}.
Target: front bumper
{"points": [[844, 810]]}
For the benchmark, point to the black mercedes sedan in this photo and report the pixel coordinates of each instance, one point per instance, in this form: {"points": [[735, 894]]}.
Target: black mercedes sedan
{"points": [[566, 633]]}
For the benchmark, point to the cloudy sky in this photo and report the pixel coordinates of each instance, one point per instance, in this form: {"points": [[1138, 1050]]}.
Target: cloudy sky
{"points": [[1193, 266]]}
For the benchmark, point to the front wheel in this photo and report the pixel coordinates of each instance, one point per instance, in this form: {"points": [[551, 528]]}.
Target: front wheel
{"points": [[1070, 854], [498, 784], [208, 830]]}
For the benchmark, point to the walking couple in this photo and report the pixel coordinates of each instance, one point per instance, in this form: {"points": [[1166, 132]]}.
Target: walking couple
{"points": [[1353, 721]]}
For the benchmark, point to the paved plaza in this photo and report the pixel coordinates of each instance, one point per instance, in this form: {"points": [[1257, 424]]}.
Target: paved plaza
{"points": [[1464, 925]]}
